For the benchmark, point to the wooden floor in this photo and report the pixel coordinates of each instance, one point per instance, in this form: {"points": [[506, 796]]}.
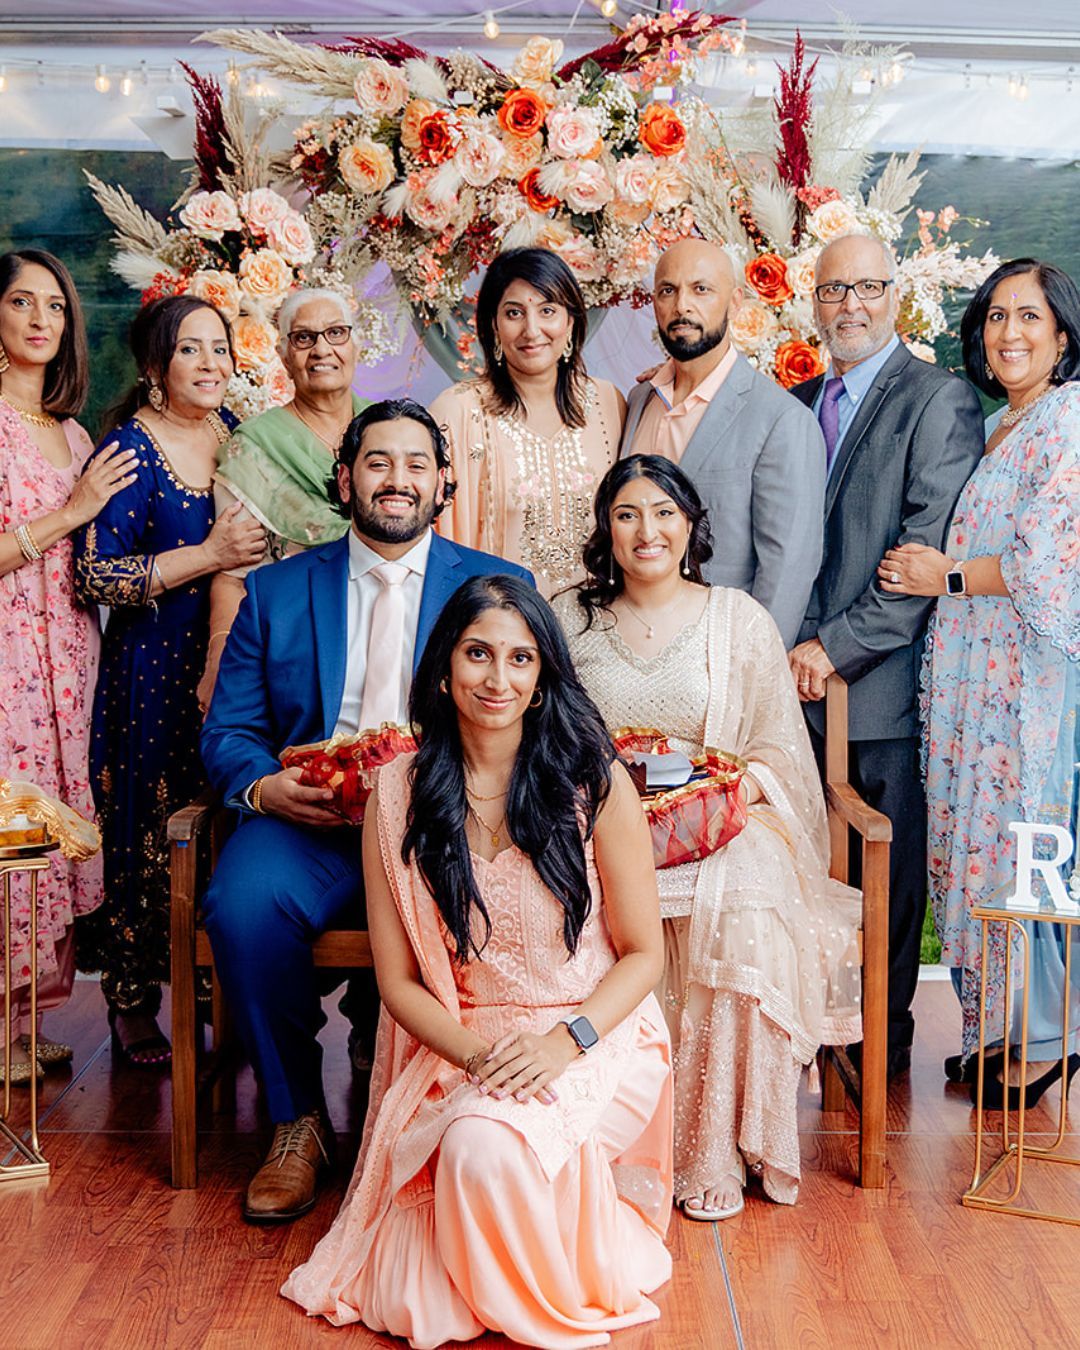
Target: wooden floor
{"points": [[108, 1255]]}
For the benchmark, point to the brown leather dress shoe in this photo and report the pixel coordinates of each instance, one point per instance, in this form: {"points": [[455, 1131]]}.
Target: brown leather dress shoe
{"points": [[284, 1186]]}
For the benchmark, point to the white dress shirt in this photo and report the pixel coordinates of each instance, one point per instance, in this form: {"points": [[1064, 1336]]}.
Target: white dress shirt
{"points": [[362, 594]]}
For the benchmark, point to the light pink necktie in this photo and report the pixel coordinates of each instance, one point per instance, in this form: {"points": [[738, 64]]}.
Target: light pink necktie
{"points": [[382, 674]]}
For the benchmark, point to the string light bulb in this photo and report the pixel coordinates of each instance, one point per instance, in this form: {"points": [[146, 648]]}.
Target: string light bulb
{"points": [[102, 83], [232, 74], [491, 26], [127, 84], [1023, 91], [3, 79], [608, 8]]}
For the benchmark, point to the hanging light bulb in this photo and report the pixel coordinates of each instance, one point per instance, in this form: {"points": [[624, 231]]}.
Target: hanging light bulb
{"points": [[608, 8], [897, 72], [1023, 90], [127, 84], [1013, 85], [232, 74], [750, 67], [144, 73], [102, 83], [491, 25], [3, 79]]}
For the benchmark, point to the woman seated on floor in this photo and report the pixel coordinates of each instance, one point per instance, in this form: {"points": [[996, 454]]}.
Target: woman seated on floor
{"points": [[515, 1171], [761, 963]]}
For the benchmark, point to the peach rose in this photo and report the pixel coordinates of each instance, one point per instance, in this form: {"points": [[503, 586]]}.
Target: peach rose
{"points": [[581, 256], [590, 189], [265, 276], [634, 179], [767, 274], [261, 207], [634, 263], [573, 133], [536, 61], [752, 325], [519, 156], [800, 272], [522, 113], [211, 214], [379, 88], [797, 361], [479, 157], [430, 211], [555, 233], [219, 289], [254, 343], [670, 188], [366, 165], [832, 220], [278, 385], [661, 130], [414, 114], [291, 236], [531, 191]]}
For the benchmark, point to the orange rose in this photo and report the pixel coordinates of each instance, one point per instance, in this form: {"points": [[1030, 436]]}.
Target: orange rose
{"points": [[661, 130], [767, 273], [414, 114], [522, 113], [530, 190], [436, 143], [797, 361]]}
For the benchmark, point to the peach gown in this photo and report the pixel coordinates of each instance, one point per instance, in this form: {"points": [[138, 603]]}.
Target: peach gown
{"points": [[467, 1214]]}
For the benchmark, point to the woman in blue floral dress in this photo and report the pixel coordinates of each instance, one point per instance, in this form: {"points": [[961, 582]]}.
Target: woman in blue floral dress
{"points": [[1002, 679], [149, 557]]}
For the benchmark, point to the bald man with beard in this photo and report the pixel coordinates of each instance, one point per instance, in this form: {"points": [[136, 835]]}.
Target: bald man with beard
{"points": [[754, 453]]}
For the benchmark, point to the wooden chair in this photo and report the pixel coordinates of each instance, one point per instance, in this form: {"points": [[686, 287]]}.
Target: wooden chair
{"points": [[196, 836], [850, 816]]}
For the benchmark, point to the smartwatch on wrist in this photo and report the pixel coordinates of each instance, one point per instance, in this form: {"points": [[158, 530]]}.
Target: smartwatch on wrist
{"points": [[582, 1030], [954, 581]]}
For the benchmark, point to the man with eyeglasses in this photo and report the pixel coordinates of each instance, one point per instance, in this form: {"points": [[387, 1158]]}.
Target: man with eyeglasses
{"points": [[901, 439]]}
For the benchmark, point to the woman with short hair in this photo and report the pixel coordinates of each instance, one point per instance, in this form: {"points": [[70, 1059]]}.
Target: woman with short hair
{"points": [[515, 1170], [532, 437], [148, 557]]}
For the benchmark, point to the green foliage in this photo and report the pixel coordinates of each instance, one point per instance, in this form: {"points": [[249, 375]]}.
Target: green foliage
{"points": [[930, 950]]}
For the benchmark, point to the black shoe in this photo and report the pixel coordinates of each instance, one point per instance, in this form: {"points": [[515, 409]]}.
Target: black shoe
{"points": [[897, 1060], [959, 1070], [994, 1089]]}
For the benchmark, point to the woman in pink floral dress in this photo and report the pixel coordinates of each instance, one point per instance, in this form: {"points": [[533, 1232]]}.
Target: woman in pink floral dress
{"points": [[48, 646]]}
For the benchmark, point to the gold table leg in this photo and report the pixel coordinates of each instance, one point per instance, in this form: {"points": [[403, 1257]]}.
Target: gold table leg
{"points": [[1016, 1151], [33, 1164]]}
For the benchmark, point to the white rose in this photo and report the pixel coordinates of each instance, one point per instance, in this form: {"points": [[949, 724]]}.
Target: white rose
{"points": [[832, 220], [211, 214], [479, 157], [634, 179], [261, 207], [536, 61], [590, 189], [573, 133], [379, 88]]}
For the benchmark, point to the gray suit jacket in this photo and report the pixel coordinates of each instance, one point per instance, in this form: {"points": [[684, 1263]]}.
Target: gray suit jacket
{"points": [[899, 470], [758, 460]]}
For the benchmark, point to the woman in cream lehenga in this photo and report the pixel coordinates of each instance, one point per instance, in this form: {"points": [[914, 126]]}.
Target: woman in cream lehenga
{"points": [[761, 959], [534, 435], [515, 1171]]}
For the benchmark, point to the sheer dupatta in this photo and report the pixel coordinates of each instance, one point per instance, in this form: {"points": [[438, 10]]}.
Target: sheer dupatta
{"points": [[809, 981]]}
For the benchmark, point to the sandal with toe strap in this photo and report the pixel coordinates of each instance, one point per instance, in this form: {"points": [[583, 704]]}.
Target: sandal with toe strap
{"points": [[155, 1047], [702, 1213]]}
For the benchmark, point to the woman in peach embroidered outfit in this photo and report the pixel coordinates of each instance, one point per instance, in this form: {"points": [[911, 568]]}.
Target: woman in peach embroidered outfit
{"points": [[534, 435], [515, 1172], [48, 645]]}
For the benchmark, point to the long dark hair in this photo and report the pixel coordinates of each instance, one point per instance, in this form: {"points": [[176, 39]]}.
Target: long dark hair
{"points": [[1064, 301], [67, 376], [555, 282], [153, 338], [605, 577], [560, 779]]}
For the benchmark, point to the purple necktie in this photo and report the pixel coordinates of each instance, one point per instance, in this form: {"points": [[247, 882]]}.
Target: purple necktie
{"points": [[829, 417]]}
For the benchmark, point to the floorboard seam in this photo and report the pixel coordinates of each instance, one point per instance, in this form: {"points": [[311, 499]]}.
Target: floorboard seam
{"points": [[740, 1343], [13, 1153]]}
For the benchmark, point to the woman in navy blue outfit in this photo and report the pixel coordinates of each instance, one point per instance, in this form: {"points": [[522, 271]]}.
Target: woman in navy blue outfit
{"points": [[149, 557]]}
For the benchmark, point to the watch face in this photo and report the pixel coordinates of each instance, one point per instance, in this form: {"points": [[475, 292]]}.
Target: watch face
{"points": [[583, 1032], [954, 583]]}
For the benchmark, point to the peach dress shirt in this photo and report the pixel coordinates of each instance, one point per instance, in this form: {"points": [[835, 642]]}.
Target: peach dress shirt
{"points": [[666, 430]]}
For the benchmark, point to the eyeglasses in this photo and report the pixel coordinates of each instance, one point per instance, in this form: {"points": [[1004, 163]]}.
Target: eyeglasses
{"points": [[337, 335], [835, 292]]}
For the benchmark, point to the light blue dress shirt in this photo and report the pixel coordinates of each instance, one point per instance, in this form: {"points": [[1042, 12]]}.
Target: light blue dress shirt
{"points": [[857, 384]]}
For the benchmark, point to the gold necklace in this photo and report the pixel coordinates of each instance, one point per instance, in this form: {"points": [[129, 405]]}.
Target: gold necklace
{"points": [[330, 445], [1011, 416], [41, 419], [496, 838], [476, 796]]}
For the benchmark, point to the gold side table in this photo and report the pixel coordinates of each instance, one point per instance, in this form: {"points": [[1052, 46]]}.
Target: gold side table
{"points": [[32, 858], [1015, 1150]]}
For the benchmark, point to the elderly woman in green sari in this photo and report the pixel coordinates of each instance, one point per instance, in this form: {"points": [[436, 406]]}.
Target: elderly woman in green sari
{"points": [[277, 464]]}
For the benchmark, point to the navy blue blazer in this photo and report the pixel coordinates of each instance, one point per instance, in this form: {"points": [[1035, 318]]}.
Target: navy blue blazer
{"points": [[282, 673]]}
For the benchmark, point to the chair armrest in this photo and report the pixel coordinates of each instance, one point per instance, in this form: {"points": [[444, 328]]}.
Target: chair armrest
{"points": [[187, 824], [850, 807]]}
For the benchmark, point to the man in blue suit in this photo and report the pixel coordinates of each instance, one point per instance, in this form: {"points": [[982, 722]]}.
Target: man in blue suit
{"points": [[324, 643]]}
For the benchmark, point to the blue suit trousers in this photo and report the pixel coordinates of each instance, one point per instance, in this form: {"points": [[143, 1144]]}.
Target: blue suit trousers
{"points": [[275, 889]]}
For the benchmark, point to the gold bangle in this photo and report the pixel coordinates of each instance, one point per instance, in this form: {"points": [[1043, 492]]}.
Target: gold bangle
{"points": [[256, 796], [27, 544], [221, 632]]}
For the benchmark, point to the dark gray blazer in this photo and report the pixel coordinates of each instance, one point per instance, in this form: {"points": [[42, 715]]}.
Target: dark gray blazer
{"points": [[899, 470], [758, 460]]}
